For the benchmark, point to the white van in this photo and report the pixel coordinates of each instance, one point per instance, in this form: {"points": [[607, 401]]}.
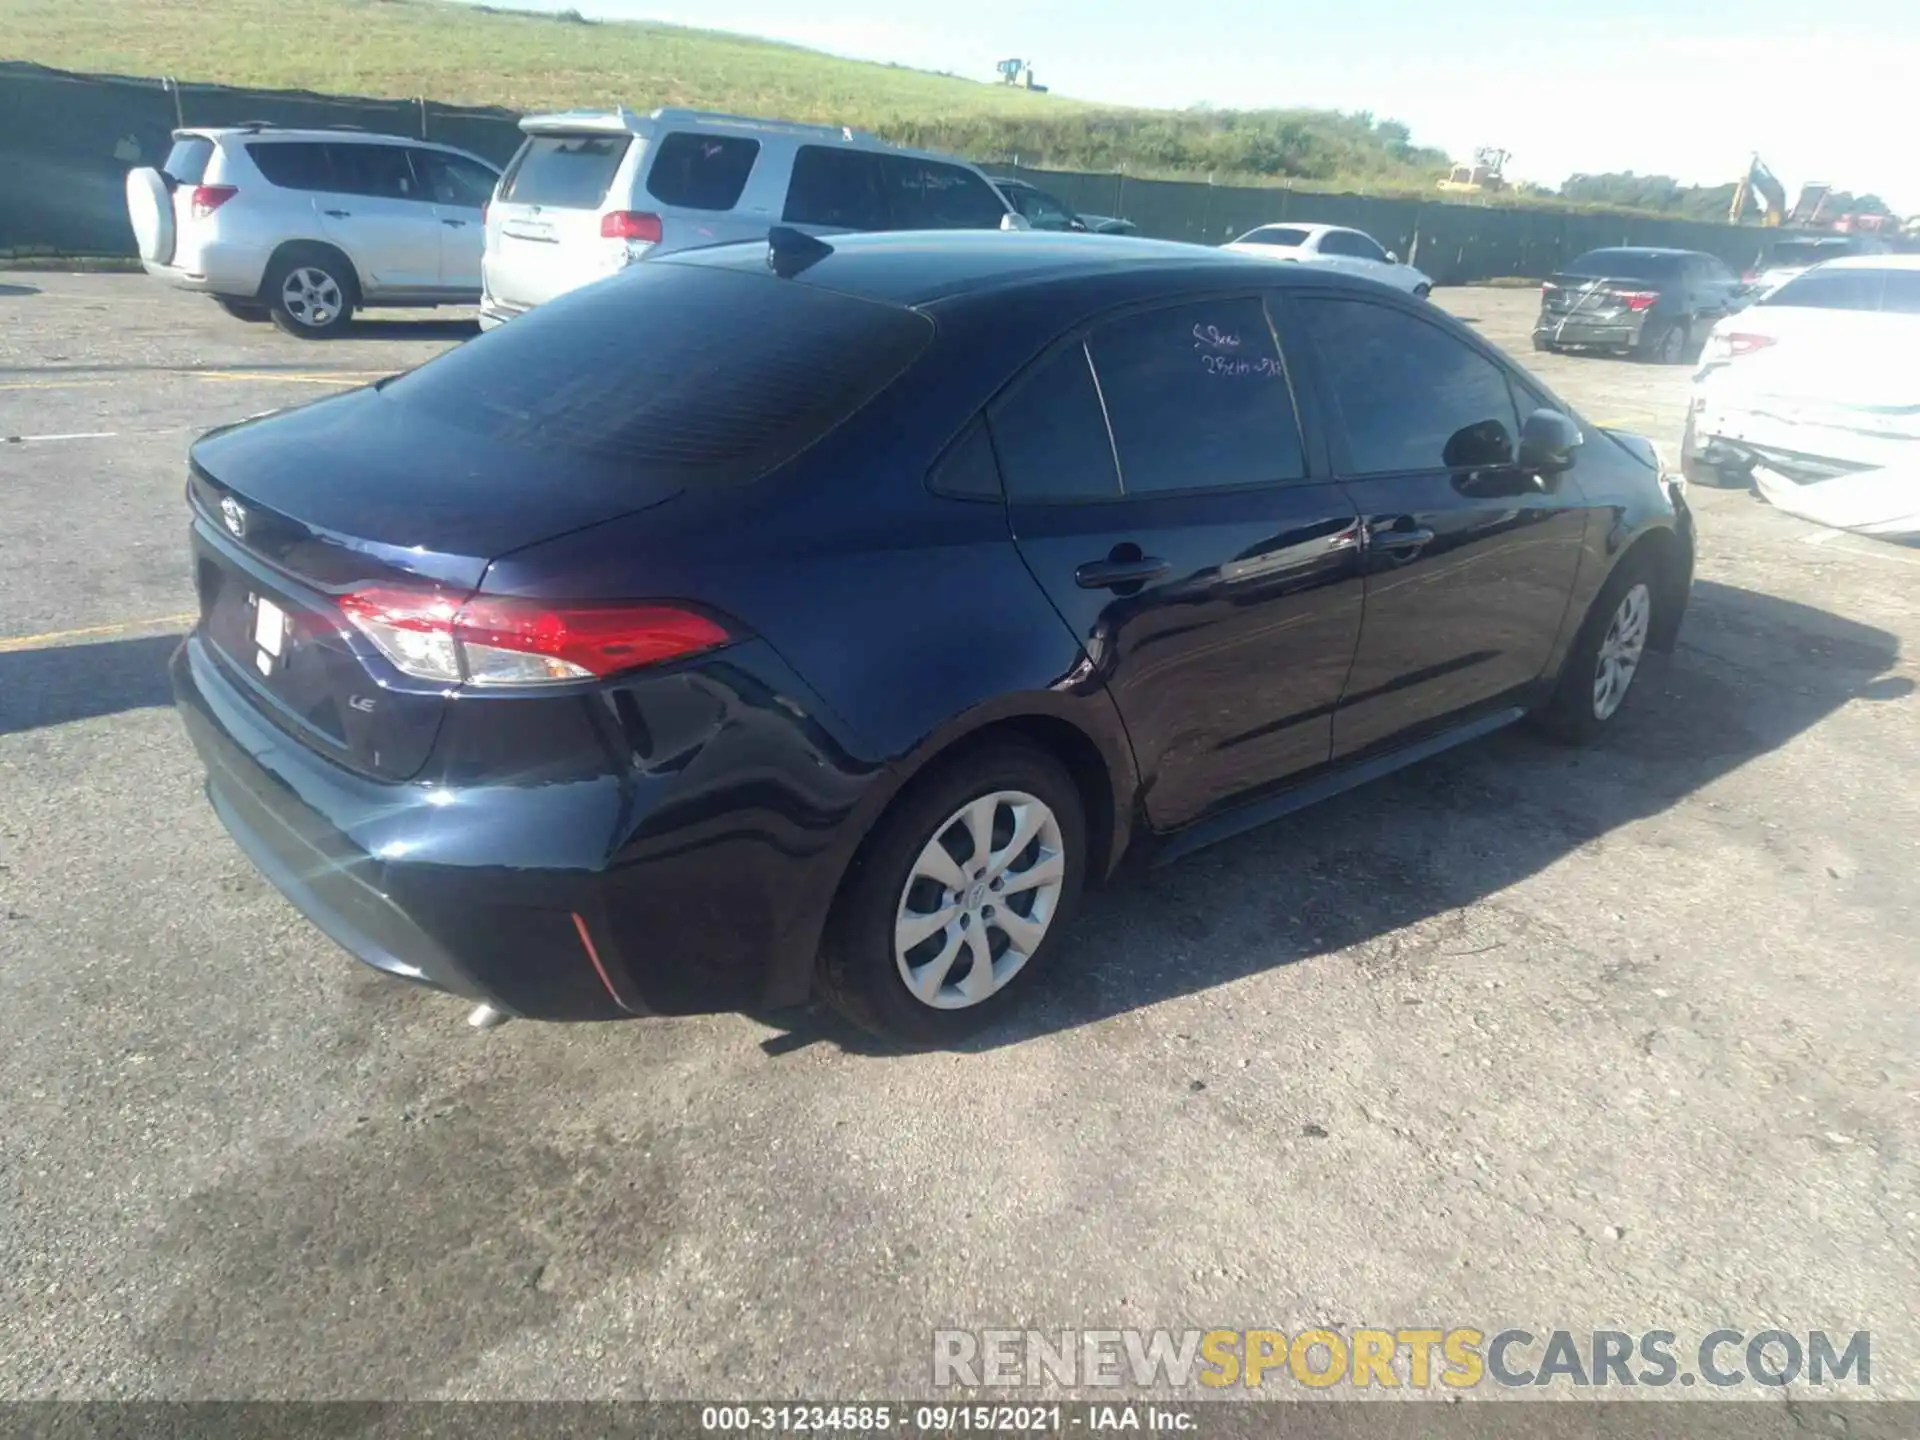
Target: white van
{"points": [[590, 192]]}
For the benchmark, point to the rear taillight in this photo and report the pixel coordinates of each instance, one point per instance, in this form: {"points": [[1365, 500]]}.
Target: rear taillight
{"points": [[1733, 346], [498, 640], [634, 225], [1637, 299], [209, 198]]}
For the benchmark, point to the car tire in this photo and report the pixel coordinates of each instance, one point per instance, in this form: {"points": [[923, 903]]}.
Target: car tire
{"points": [[311, 291], [906, 877], [1615, 632], [1423, 292], [250, 311], [1669, 347], [1540, 342]]}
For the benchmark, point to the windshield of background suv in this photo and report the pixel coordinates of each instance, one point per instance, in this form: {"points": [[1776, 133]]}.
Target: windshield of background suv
{"points": [[567, 172]]}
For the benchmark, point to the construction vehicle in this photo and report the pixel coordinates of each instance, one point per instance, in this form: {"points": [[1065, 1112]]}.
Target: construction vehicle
{"points": [[1759, 187], [1018, 73], [1482, 177]]}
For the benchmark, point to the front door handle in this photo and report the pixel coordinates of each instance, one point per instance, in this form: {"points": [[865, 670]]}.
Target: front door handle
{"points": [[1417, 538], [339, 214], [456, 224], [1110, 574]]}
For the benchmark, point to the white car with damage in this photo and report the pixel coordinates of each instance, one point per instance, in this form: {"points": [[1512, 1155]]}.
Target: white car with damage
{"points": [[1812, 397], [1353, 252]]}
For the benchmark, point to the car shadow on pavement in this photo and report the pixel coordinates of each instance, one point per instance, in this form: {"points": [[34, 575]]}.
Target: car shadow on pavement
{"points": [[81, 682], [9, 291], [398, 329], [1752, 672]]}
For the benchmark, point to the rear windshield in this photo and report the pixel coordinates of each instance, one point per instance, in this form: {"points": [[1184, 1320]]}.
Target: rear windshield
{"points": [[1274, 235], [1893, 291], [695, 375], [1626, 264], [187, 160], [567, 172]]}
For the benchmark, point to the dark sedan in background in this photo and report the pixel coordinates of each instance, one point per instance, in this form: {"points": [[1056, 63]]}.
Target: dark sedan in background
{"points": [[1654, 304], [801, 618], [1044, 211]]}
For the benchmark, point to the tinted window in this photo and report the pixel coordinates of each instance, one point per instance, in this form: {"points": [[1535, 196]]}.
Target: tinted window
{"points": [[568, 172], [453, 179], [1041, 208], [835, 187], [1831, 290], [1197, 398], [968, 471], [1709, 269], [738, 372], [1051, 434], [1349, 242], [187, 160], [1627, 264], [1409, 396], [380, 171], [927, 195], [1274, 235], [701, 172], [292, 164]]}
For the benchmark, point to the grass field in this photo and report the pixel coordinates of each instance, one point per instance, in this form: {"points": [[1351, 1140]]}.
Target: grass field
{"points": [[466, 55]]}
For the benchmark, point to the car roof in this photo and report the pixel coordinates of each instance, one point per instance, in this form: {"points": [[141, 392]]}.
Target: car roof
{"points": [[344, 137], [1872, 262], [1640, 250], [921, 267], [1310, 227]]}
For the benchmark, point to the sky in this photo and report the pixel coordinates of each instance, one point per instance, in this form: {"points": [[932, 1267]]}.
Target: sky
{"points": [[1688, 88]]}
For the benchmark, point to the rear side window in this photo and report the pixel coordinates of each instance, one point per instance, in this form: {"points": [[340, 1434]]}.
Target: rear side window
{"points": [[1409, 396], [1350, 242], [188, 159], [1197, 398], [382, 172], [927, 195], [1275, 235], [840, 188], [1050, 432], [701, 172], [292, 164], [738, 372], [565, 172]]}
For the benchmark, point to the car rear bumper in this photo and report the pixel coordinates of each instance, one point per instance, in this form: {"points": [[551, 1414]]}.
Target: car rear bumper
{"points": [[586, 896], [1584, 330], [231, 270]]}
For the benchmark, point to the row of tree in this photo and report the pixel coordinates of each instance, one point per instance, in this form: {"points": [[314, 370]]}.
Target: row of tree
{"points": [[1666, 195]]}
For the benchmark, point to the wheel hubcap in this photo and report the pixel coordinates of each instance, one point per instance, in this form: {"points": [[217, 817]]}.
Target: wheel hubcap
{"points": [[979, 900], [1620, 651], [311, 296]]}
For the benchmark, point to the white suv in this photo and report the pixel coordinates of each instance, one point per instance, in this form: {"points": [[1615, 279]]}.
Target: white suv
{"points": [[590, 192], [304, 225]]}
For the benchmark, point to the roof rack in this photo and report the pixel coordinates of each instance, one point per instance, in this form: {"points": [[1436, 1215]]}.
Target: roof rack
{"points": [[254, 127]]}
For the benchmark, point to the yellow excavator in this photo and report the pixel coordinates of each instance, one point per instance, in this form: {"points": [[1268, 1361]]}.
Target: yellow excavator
{"points": [[1759, 188]]}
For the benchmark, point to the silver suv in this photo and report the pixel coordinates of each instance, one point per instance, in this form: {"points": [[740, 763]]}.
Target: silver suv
{"points": [[305, 225], [592, 191]]}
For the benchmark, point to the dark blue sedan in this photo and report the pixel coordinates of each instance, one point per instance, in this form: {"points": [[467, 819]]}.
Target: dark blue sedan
{"points": [[798, 619]]}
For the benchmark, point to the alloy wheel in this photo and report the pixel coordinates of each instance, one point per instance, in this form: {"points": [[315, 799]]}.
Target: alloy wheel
{"points": [[979, 900], [311, 296], [1620, 651]]}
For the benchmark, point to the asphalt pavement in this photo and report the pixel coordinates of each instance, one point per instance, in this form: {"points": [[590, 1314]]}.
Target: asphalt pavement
{"points": [[1623, 1038]]}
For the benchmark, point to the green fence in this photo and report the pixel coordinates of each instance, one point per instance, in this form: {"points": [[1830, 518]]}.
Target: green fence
{"points": [[67, 142]]}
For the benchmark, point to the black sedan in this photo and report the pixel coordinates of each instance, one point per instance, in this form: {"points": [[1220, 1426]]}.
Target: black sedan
{"points": [[787, 619], [1654, 304]]}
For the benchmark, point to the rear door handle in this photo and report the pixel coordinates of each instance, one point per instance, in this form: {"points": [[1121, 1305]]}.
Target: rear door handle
{"points": [[1109, 574], [339, 214], [1415, 539], [456, 224]]}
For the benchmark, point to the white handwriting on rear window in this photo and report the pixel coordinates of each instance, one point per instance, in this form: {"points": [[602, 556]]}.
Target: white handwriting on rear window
{"points": [[1230, 365], [1212, 337]]}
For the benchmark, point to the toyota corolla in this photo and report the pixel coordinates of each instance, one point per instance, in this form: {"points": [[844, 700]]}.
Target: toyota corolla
{"points": [[797, 618]]}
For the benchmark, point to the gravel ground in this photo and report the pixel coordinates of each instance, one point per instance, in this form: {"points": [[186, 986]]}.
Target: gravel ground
{"points": [[1623, 1038]]}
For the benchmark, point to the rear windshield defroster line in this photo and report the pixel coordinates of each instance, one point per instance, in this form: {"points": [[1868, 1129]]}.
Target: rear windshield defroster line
{"points": [[693, 376]]}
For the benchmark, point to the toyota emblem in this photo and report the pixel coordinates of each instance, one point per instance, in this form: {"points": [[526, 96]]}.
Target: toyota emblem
{"points": [[234, 515]]}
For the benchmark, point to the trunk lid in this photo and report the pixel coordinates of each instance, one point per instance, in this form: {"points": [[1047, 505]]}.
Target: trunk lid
{"points": [[295, 510], [1596, 295]]}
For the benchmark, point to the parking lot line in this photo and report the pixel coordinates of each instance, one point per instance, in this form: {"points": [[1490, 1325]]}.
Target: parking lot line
{"points": [[75, 435], [60, 637]]}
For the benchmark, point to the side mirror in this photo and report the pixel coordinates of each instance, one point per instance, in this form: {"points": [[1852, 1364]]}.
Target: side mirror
{"points": [[1076, 223], [1011, 221], [1548, 441], [1393, 257]]}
